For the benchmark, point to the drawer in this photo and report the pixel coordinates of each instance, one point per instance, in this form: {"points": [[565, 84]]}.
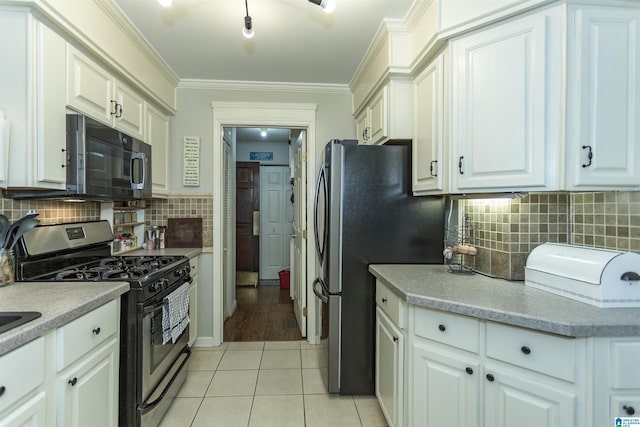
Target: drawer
{"points": [[391, 304], [625, 374], [452, 329], [193, 262], [548, 354], [85, 333], [21, 371]]}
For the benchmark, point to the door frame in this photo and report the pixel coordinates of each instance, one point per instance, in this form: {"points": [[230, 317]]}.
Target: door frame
{"points": [[248, 114]]}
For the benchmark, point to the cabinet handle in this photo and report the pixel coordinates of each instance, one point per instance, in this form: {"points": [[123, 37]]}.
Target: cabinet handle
{"points": [[119, 112], [384, 300], [73, 381], [431, 168], [460, 165], [64, 157], [114, 107], [468, 370], [2, 389], [629, 410], [395, 339], [525, 349], [96, 331], [490, 377], [630, 276], [442, 327], [365, 133], [589, 156]]}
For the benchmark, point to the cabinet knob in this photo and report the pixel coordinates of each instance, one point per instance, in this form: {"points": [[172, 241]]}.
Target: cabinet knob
{"points": [[468, 370], [395, 339], [384, 300], [490, 377], [73, 381], [2, 389], [525, 349], [628, 409], [96, 331], [442, 327]]}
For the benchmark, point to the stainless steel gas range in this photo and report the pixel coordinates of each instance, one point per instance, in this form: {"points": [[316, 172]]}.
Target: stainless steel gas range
{"points": [[153, 362]]}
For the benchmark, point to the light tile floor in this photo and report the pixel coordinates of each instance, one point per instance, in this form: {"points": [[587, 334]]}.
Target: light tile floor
{"points": [[265, 384]]}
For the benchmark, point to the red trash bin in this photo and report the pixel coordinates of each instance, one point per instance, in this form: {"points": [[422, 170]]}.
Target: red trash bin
{"points": [[285, 276]]}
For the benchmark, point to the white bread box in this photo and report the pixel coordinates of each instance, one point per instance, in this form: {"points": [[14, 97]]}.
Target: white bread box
{"points": [[599, 277]]}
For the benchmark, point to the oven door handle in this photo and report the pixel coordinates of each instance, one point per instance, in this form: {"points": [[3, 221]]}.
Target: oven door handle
{"points": [[153, 308], [147, 406]]}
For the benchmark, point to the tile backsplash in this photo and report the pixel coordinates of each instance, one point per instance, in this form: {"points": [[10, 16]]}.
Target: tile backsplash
{"points": [[505, 230], [156, 213]]}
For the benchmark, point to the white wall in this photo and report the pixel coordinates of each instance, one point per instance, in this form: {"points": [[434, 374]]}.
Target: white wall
{"points": [[195, 118]]}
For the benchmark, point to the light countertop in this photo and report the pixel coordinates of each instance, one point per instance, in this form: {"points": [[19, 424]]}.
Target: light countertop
{"points": [[59, 303], [503, 301], [188, 252]]}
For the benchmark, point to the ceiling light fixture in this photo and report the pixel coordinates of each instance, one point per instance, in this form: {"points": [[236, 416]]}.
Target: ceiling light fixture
{"points": [[165, 3], [327, 5], [263, 132], [247, 31]]}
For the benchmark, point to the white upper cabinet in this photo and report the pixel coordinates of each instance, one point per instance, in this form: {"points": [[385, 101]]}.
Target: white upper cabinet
{"points": [[157, 135], [387, 115], [33, 101], [94, 91], [603, 108], [505, 99], [430, 166]]}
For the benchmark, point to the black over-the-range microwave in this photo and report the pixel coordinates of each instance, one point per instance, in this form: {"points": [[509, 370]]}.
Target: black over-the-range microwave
{"points": [[102, 164]]}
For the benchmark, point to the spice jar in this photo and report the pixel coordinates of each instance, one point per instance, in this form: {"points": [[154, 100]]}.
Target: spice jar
{"points": [[7, 267]]}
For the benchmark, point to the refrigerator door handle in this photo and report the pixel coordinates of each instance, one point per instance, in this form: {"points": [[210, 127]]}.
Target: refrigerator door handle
{"points": [[320, 292], [320, 244]]}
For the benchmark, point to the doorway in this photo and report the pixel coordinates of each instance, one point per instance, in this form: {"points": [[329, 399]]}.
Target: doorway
{"points": [[263, 303], [226, 114]]}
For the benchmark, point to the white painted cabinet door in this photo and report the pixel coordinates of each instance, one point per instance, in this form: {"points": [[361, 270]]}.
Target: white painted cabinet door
{"points": [[130, 115], [603, 132], [429, 163], [89, 87], [363, 131], [445, 387], [32, 413], [378, 116], [389, 369], [88, 391], [505, 105], [514, 397], [157, 135]]}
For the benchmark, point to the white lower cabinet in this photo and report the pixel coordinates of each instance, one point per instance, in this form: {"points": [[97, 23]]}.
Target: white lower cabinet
{"points": [[462, 371], [22, 378], [67, 378], [389, 368], [88, 390], [88, 369]]}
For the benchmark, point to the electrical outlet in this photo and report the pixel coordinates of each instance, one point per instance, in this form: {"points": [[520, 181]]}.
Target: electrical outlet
{"points": [[32, 211]]}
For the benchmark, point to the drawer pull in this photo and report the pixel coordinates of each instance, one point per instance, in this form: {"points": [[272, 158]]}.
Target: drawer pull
{"points": [[525, 349], [490, 377], [96, 331], [73, 381], [628, 409], [2, 389], [395, 339], [468, 370], [384, 300], [442, 327]]}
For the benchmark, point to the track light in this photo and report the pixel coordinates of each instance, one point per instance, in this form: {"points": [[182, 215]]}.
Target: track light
{"points": [[327, 5], [247, 31]]}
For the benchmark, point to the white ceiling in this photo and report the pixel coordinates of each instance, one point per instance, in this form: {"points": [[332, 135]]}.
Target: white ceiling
{"points": [[295, 41]]}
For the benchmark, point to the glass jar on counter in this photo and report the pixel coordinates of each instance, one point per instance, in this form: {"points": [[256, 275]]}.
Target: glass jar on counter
{"points": [[7, 267]]}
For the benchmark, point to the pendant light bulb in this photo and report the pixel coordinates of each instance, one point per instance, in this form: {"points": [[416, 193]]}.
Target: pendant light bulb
{"points": [[165, 3], [247, 31], [327, 5]]}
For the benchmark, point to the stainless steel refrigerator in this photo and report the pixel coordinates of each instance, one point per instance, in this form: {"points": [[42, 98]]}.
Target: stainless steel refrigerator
{"points": [[365, 214]]}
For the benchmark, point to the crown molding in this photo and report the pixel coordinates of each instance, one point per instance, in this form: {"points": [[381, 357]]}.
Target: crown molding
{"points": [[237, 85]]}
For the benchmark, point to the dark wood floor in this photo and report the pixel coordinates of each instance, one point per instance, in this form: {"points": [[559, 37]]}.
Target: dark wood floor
{"points": [[264, 313]]}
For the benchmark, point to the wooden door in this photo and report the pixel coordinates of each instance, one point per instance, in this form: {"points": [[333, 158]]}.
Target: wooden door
{"points": [[299, 231], [247, 216]]}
